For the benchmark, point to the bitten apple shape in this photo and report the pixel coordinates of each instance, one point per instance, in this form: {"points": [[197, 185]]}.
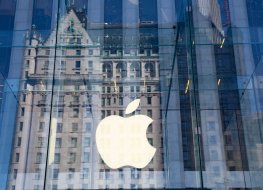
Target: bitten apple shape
{"points": [[122, 141]]}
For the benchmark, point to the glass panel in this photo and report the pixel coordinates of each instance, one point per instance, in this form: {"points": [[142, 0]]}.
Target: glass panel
{"points": [[135, 94]]}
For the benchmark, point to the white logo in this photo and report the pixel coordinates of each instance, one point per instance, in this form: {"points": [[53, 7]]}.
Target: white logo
{"points": [[122, 141]]}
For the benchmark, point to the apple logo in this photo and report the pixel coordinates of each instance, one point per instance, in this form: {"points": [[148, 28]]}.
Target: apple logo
{"points": [[122, 141]]}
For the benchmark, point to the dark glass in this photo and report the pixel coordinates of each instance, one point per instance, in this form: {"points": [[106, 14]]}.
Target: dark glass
{"points": [[67, 66]]}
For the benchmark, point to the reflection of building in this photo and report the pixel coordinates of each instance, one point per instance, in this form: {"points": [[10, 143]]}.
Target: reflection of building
{"points": [[211, 9], [66, 90], [134, 77], [209, 95]]}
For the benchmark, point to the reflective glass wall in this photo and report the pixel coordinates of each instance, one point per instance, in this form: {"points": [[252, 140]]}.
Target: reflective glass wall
{"points": [[130, 94]]}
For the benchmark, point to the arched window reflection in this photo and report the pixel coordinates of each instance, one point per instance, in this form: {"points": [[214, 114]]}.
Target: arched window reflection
{"points": [[107, 69], [149, 68], [121, 69], [136, 68]]}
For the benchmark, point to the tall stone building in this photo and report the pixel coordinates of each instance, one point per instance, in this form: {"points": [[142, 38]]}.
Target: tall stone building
{"points": [[69, 84]]}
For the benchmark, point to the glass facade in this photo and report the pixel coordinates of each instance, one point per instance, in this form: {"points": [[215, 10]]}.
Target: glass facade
{"points": [[70, 71]]}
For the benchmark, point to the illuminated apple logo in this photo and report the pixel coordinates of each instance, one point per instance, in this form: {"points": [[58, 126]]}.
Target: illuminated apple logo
{"points": [[122, 141]]}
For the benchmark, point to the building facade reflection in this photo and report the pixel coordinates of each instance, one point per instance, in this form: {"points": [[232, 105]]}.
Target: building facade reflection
{"points": [[83, 86], [196, 66]]}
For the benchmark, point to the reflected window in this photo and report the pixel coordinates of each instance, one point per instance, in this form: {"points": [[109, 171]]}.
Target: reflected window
{"points": [[148, 52], [57, 158], [63, 65], [39, 158], [121, 175], [59, 127], [135, 173], [107, 69], [27, 64], [41, 126], [135, 69], [149, 89], [121, 69], [71, 173], [21, 124], [78, 41], [121, 113], [150, 128], [85, 173], [37, 173], [14, 173], [72, 157], [149, 113], [60, 112], [78, 52], [40, 141], [108, 89], [46, 65], [108, 101], [26, 75], [133, 186], [150, 140], [17, 157], [58, 142], [149, 100], [151, 173], [73, 141], [132, 88], [75, 98], [103, 102], [74, 127], [42, 112], [150, 69], [90, 66], [22, 111], [120, 101], [76, 112], [88, 127], [19, 139], [86, 157], [102, 114], [87, 142], [47, 52], [120, 88], [90, 52], [101, 174], [55, 173], [77, 65], [72, 40], [108, 112], [107, 173], [141, 51], [24, 97]]}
